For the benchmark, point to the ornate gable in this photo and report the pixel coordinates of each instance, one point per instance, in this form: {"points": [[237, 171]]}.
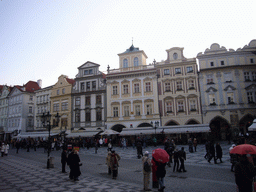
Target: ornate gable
{"points": [[211, 89], [229, 88]]}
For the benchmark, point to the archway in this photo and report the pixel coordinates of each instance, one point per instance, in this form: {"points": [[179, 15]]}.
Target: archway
{"points": [[192, 122], [118, 127], [171, 123], [144, 125], [219, 128], [245, 122]]}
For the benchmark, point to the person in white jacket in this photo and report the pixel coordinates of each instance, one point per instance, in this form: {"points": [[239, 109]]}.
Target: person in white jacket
{"points": [[2, 149], [6, 150]]}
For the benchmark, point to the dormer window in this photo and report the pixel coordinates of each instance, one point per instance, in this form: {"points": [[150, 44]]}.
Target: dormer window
{"points": [[125, 63], [86, 72], [136, 62], [90, 71]]}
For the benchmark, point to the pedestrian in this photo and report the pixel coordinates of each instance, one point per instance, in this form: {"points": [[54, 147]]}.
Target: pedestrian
{"points": [[6, 150], [101, 142], [195, 143], [218, 152], [109, 146], [75, 163], [2, 149], [160, 174], [169, 150], [207, 146], [166, 144], [182, 157], [176, 160], [212, 153], [17, 146], [244, 173], [114, 162], [64, 160], [124, 143], [139, 148], [147, 169], [190, 145], [154, 141], [69, 162], [96, 145], [108, 162], [233, 158], [28, 145]]}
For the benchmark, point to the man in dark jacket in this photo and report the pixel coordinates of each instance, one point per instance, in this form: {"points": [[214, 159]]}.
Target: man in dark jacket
{"points": [[70, 158], [212, 153], [64, 160], [182, 156], [176, 160]]}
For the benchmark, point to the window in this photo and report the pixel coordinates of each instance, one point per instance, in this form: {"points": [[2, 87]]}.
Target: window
{"points": [[63, 91], [180, 106], [191, 84], [64, 122], [166, 72], [31, 98], [148, 87], [192, 105], [98, 116], [228, 77], [149, 109], [212, 100], [125, 89], [86, 72], [77, 116], [136, 62], [125, 63], [177, 70], [126, 111], [254, 75], [64, 106], [115, 111], [189, 69], [251, 60], [88, 86], [210, 80], [30, 122], [212, 64], [90, 71], [250, 97], [246, 76], [114, 90], [179, 85], [137, 110], [56, 107], [136, 88], [167, 87], [222, 63], [168, 107], [58, 92], [77, 102], [230, 98], [88, 100], [94, 85], [98, 99], [29, 109], [88, 116], [82, 86]]}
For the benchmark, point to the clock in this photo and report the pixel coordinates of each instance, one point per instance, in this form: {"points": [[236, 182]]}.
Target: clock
{"points": [[175, 56]]}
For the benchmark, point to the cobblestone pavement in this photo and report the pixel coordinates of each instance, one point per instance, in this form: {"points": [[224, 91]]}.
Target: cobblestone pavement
{"points": [[18, 173]]}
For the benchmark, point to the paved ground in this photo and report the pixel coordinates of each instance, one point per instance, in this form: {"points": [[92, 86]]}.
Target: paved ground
{"points": [[27, 172]]}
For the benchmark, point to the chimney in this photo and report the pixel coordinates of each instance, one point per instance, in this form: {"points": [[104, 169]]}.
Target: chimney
{"points": [[39, 82]]}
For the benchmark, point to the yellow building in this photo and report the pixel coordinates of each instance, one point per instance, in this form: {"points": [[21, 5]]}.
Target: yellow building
{"points": [[61, 103], [132, 93]]}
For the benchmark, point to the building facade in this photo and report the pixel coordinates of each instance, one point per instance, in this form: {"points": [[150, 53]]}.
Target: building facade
{"points": [[228, 88], [61, 103], [179, 94], [132, 92], [89, 100]]}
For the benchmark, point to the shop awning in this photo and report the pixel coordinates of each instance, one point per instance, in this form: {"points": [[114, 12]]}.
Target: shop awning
{"points": [[34, 135], [198, 128], [253, 126], [83, 134]]}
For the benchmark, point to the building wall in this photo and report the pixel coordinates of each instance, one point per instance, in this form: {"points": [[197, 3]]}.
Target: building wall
{"points": [[4, 107]]}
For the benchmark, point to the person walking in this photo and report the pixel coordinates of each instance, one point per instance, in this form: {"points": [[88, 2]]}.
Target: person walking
{"points": [[69, 162], [207, 146], [147, 169], [64, 160], [6, 150], [190, 145], [182, 157], [96, 145], [108, 162], [176, 160], [139, 148], [195, 143], [17, 145], [218, 152], [101, 142], [75, 163], [109, 146], [212, 153], [233, 158], [244, 173], [114, 162], [160, 174], [2, 149]]}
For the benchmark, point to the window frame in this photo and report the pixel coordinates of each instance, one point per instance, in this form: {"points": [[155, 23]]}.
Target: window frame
{"points": [[125, 63], [136, 62]]}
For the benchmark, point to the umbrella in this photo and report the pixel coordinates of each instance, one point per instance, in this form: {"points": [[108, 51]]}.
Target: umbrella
{"points": [[160, 155], [244, 149], [109, 132]]}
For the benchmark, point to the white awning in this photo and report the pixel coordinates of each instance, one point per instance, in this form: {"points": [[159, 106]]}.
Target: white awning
{"points": [[253, 126], [34, 135], [198, 128], [83, 134]]}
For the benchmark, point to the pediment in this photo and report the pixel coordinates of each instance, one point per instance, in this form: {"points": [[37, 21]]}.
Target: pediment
{"points": [[211, 89], [88, 64], [180, 97], [251, 87], [125, 81], [229, 88]]}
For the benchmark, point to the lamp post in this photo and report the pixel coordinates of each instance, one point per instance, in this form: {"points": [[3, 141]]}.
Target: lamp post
{"points": [[46, 121], [155, 125]]}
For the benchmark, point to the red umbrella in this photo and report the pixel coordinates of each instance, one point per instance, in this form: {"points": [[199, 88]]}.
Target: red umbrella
{"points": [[160, 155], [244, 149]]}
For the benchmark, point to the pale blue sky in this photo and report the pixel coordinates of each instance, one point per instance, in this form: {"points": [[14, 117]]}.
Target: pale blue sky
{"points": [[44, 39]]}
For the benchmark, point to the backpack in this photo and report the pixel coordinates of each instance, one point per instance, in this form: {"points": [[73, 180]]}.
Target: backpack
{"points": [[146, 166]]}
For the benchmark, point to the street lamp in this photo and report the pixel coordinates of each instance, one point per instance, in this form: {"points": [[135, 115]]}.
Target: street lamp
{"points": [[46, 121], [155, 125]]}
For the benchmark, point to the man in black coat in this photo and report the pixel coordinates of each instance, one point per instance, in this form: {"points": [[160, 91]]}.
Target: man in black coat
{"points": [[64, 160], [182, 156], [70, 159], [212, 153]]}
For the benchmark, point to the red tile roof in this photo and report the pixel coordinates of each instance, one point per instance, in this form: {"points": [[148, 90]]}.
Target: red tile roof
{"points": [[70, 81]]}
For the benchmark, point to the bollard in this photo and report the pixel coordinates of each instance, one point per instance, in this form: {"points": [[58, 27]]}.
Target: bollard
{"points": [[51, 162]]}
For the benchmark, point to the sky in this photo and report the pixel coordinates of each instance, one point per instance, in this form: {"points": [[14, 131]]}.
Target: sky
{"points": [[43, 39]]}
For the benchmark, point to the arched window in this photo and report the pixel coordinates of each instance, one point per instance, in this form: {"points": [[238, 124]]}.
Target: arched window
{"points": [[136, 62], [125, 63]]}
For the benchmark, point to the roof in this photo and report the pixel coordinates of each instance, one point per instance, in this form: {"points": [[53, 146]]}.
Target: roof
{"points": [[132, 49], [70, 81], [31, 86]]}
